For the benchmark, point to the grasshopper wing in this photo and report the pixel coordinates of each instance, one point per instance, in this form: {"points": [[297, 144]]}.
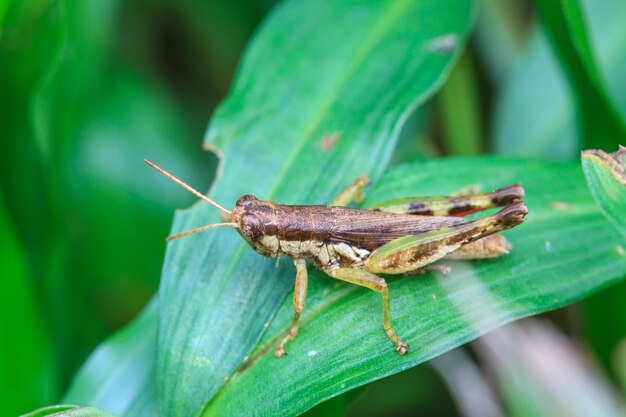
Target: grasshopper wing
{"points": [[371, 229]]}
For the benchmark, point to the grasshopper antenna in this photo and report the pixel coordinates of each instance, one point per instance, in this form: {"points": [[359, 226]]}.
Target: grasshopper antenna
{"points": [[197, 194], [190, 189], [198, 230]]}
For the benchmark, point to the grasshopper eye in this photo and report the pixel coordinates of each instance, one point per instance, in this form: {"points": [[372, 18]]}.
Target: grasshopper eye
{"points": [[252, 227], [246, 200]]}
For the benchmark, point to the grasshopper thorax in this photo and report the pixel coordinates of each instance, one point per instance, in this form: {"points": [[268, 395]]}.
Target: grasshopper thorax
{"points": [[255, 219]]}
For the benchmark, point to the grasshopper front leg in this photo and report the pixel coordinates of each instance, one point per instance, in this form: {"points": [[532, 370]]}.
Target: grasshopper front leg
{"points": [[376, 283], [353, 192], [299, 298]]}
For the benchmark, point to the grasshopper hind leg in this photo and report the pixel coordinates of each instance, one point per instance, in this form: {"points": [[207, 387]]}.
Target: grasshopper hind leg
{"points": [[412, 252], [453, 206], [376, 283]]}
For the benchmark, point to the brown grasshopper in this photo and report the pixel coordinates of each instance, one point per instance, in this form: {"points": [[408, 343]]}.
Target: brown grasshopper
{"points": [[353, 245]]}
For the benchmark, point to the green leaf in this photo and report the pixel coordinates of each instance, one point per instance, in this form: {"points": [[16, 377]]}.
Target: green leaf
{"points": [[68, 411], [317, 101], [565, 251], [600, 122], [534, 114], [119, 376], [606, 177], [562, 253]]}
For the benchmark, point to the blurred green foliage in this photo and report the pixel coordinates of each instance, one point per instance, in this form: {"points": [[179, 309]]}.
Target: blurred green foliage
{"points": [[90, 88]]}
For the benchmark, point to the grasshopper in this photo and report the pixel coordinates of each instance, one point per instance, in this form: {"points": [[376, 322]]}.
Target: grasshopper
{"points": [[354, 245]]}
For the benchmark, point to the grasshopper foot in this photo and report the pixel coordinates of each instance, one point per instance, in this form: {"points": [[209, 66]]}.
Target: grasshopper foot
{"points": [[280, 351], [508, 195], [512, 215], [401, 347]]}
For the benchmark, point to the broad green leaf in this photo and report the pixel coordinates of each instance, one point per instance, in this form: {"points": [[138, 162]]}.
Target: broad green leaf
{"points": [[534, 115], [562, 253], [461, 177], [68, 411], [600, 123], [317, 101], [119, 376], [606, 177]]}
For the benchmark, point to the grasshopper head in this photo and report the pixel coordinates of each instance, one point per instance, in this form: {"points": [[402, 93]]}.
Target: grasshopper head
{"points": [[255, 219]]}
